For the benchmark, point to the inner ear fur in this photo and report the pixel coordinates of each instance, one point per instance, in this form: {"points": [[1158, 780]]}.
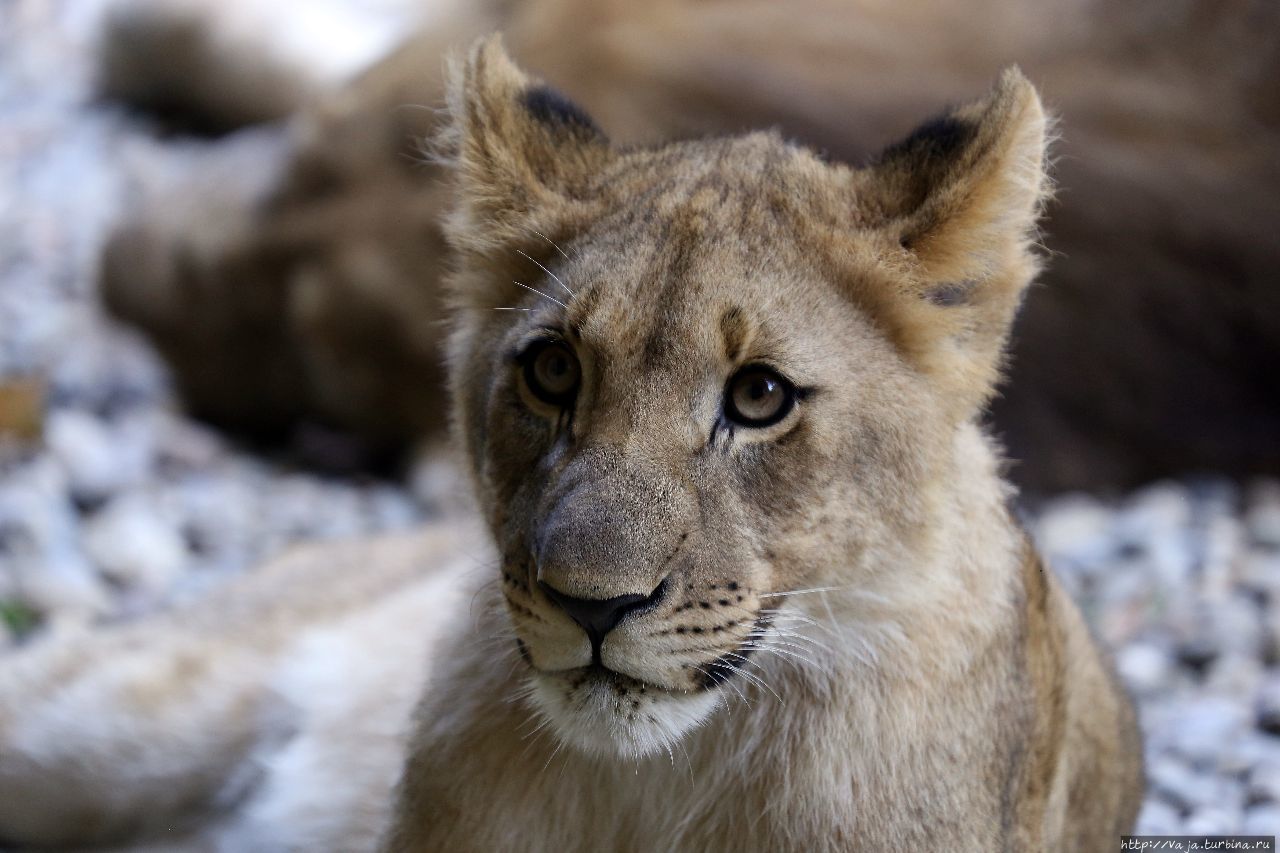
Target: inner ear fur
{"points": [[958, 200], [520, 151]]}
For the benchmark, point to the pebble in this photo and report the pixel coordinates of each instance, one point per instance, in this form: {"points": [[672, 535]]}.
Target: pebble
{"points": [[1268, 706], [1213, 820], [134, 546], [1264, 783], [1075, 535], [1145, 667], [1204, 724], [1262, 820], [1158, 818], [99, 459], [1262, 519]]}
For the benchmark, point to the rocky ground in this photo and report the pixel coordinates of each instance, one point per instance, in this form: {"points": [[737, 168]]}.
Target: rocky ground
{"points": [[113, 503]]}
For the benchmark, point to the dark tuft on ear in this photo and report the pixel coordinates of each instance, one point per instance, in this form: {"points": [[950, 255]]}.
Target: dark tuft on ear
{"points": [[960, 197], [942, 137], [526, 161], [555, 110]]}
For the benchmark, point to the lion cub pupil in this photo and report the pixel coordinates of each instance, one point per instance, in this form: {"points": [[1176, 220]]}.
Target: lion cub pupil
{"points": [[552, 372], [759, 397]]}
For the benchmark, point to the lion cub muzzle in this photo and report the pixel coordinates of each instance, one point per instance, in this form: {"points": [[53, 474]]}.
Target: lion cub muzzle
{"points": [[607, 544], [601, 556]]}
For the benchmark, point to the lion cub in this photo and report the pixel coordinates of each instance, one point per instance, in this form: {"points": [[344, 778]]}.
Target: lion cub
{"points": [[754, 581]]}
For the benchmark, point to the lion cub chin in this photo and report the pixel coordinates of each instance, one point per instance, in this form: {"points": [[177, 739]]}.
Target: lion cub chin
{"points": [[754, 584], [597, 722]]}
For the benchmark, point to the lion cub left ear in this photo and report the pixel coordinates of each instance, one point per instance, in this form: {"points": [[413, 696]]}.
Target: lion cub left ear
{"points": [[518, 148], [961, 196]]}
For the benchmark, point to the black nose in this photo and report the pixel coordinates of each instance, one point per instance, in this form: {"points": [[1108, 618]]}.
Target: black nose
{"points": [[599, 616]]}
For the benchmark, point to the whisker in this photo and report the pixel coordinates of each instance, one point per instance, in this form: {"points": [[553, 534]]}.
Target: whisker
{"points": [[800, 591], [788, 613], [738, 690], [554, 753], [815, 643], [511, 670], [553, 243], [564, 764], [808, 644], [785, 653], [512, 309], [780, 624], [688, 762], [530, 745], [755, 679], [540, 293], [522, 692], [485, 588], [826, 604], [535, 717], [795, 646], [548, 272], [730, 682]]}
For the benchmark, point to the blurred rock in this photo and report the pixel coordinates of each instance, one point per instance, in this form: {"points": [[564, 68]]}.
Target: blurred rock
{"points": [[41, 563], [1212, 820], [1200, 728], [1263, 516], [1261, 820], [1252, 749], [99, 458], [1191, 790], [183, 445], [1145, 667], [1158, 818], [1259, 574], [1235, 674], [1268, 706], [1264, 784], [132, 545]]}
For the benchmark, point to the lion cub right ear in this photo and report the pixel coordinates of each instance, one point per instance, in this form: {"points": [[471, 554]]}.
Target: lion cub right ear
{"points": [[961, 197], [521, 152]]}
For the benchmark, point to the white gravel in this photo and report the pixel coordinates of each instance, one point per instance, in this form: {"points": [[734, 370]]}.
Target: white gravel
{"points": [[124, 503], [1182, 580]]}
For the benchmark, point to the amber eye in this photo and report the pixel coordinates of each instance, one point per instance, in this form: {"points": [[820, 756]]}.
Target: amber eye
{"points": [[552, 372], [757, 397]]}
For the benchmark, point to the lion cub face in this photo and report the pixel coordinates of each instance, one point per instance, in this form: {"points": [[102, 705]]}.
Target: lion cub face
{"points": [[695, 379]]}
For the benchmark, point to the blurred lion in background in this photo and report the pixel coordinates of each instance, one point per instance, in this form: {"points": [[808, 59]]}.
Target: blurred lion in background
{"points": [[308, 293]]}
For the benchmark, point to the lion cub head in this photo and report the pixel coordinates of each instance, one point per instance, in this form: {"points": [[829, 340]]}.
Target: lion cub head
{"points": [[695, 378]]}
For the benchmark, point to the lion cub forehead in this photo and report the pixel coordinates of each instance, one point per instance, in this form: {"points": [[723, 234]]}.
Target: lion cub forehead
{"points": [[703, 268], [692, 307]]}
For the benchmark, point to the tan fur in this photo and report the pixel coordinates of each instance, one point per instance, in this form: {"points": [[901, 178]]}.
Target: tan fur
{"points": [[895, 669]]}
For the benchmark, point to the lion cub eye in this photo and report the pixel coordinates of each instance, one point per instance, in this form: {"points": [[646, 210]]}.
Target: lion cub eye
{"points": [[552, 372], [758, 397]]}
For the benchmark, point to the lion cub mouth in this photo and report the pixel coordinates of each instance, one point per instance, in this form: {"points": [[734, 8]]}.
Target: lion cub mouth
{"points": [[608, 713], [630, 680], [623, 685]]}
